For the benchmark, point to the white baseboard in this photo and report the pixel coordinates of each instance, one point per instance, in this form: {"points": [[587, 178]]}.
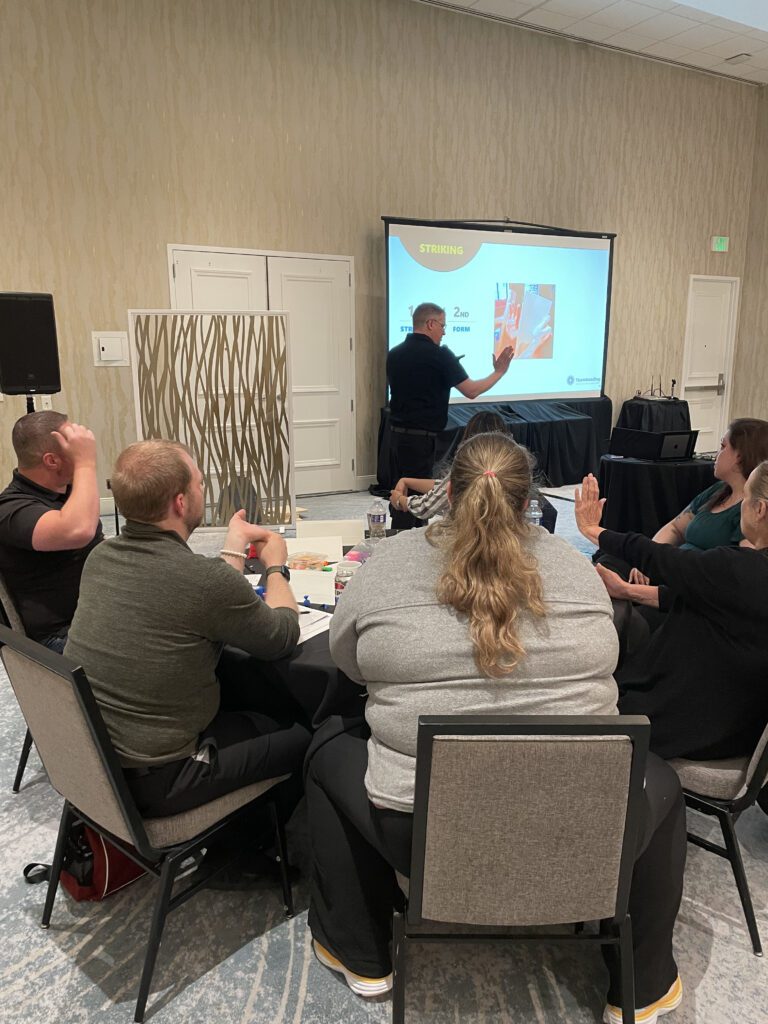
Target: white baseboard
{"points": [[362, 483], [106, 506]]}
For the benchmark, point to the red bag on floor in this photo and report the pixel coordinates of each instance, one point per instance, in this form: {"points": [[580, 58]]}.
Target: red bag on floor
{"points": [[93, 868]]}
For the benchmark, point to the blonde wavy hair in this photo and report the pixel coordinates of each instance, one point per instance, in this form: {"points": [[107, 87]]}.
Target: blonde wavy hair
{"points": [[491, 577]]}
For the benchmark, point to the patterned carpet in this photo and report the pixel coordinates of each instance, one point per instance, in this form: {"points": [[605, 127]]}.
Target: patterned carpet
{"points": [[232, 957]]}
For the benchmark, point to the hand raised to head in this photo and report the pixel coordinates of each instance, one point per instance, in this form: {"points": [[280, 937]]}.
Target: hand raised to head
{"points": [[76, 443]]}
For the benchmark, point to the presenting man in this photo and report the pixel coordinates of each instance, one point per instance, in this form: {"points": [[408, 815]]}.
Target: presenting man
{"points": [[189, 720], [49, 522], [420, 374]]}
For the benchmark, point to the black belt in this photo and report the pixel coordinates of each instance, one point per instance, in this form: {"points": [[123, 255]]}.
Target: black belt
{"points": [[409, 430]]}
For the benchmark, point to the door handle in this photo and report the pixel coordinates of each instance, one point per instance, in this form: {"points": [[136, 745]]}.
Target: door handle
{"points": [[720, 384]]}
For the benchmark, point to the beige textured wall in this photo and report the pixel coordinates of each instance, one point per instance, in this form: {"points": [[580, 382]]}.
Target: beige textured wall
{"points": [[750, 394], [293, 125]]}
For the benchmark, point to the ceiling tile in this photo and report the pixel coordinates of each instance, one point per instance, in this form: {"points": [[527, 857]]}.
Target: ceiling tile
{"points": [[702, 59], [629, 41], [692, 12], [502, 8], [588, 29], [730, 26], [661, 26], [669, 51], [548, 19], [576, 8], [738, 71], [734, 45], [623, 15], [759, 60], [701, 36], [661, 5]]}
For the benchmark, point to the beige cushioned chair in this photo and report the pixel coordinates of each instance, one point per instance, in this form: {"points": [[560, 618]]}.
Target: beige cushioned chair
{"points": [[82, 765], [14, 621], [725, 789], [521, 821]]}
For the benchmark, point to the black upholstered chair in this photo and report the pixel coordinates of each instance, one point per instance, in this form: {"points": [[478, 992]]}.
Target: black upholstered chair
{"points": [[725, 789], [82, 765], [524, 821]]}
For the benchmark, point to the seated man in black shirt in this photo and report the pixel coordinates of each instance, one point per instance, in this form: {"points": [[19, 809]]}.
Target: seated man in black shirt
{"points": [[49, 522], [420, 374]]}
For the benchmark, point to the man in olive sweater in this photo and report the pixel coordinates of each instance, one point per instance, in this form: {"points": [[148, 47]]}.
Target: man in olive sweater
{"points": [[190, 718]]}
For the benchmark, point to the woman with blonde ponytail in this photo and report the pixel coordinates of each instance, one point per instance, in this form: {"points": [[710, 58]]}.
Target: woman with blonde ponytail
{"points": [[487, 530], [480, 613]]}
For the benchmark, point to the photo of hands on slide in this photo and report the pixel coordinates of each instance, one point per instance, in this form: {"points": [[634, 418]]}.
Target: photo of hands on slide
{"points": [[524, 318]]}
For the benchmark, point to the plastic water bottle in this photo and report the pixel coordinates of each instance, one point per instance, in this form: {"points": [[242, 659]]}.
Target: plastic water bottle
{"points": [[344, 572], [533, 513], [377, 520]]}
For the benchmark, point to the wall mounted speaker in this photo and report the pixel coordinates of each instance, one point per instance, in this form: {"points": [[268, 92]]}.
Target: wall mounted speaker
{"points": [[29, 350]]}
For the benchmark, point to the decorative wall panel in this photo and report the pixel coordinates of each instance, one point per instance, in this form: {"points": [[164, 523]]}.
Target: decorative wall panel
{"points": [[219, 384]]}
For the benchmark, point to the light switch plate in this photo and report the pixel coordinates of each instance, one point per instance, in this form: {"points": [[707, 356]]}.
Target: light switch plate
{"points": [[110, 348]]}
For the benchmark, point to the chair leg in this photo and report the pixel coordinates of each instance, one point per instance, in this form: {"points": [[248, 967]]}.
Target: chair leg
{"points": [[737, 864], [58, 860], [398, 968], [282, 859], [25, 749], [627, 958], [159, 914]]}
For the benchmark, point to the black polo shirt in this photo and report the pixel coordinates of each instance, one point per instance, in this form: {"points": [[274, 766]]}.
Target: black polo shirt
{"points": [[420, 376], [44, 584]]}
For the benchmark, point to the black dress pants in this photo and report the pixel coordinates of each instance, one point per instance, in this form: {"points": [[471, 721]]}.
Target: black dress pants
{"points": [[414, 457], [356, 849], [259, 733]]}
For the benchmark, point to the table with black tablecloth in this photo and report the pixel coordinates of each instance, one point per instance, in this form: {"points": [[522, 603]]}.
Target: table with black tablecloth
{"points": [[567, 437], [318, 687], [642, 496], [658, 415]]}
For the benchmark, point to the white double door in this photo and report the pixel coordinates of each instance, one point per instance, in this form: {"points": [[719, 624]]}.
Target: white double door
{"points": [[713, 304], [317, 295]]}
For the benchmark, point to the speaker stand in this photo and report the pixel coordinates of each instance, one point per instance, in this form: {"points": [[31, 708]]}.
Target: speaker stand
{"points": [[30, 403]]}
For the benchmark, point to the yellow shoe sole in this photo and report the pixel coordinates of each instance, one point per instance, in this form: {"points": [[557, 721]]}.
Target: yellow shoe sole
{"points": [[649, 1014], [366, 987]]}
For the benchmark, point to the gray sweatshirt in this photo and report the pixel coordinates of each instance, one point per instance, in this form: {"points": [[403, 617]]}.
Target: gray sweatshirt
{"points": [[415, 656]]}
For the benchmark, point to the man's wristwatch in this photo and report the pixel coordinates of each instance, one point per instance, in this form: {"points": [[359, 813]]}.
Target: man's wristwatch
{"points": [[284, 571]]}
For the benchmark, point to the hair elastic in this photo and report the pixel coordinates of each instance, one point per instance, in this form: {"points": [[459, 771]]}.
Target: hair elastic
{"points": [[489, 472]]}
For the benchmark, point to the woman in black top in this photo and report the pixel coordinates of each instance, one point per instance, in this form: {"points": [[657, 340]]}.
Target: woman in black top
{"points": [[702, 678]]}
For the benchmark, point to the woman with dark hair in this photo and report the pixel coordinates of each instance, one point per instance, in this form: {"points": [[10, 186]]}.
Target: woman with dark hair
{"points": [[711, 520], [701, 678], [431, 497], [480, 613]]}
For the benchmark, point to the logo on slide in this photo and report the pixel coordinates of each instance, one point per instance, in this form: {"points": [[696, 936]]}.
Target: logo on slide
{"points": [[571, 379]]}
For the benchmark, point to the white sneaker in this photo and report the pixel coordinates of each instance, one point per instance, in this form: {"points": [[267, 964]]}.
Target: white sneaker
{"points": [[649, 1014], [366, 987]]}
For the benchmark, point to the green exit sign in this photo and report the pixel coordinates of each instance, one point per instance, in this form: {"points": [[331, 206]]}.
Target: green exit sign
{"points": [[720, 243]]}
